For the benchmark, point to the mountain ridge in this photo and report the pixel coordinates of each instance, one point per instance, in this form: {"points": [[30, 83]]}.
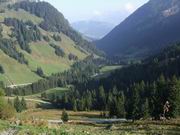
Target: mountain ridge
{"points": [[145, 32]]}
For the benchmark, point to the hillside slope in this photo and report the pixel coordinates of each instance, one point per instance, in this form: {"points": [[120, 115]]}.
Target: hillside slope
{"points": [[152, 27], [30, 40]]}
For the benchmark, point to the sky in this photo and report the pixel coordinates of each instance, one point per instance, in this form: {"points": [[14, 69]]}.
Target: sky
{"points": [[111, 11]]}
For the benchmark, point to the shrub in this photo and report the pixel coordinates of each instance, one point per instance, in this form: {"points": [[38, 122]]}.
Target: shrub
{"points": [[1, 70], [65, 116], [6, 110]]}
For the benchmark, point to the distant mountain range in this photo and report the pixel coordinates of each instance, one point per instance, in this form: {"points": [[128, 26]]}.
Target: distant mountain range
{"points": [[152, 27], [93, 29]]}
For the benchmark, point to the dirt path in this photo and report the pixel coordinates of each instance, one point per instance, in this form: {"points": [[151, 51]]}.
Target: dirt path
{"points": [[10, 131]]}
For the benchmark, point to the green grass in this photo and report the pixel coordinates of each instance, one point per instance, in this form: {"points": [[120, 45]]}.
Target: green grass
{"points": [[3, 125], [50, 92], [15, 72], [58, 91], [109, 68], [21, 15], [142, 128], [44, 56]]}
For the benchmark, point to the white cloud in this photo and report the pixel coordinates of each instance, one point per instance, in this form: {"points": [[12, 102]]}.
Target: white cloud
{"points": [[97, 13], [129, 7]]}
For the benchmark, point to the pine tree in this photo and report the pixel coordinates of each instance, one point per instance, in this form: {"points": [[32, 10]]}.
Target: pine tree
{"points": [[134, 103], [145, 109], [120, 106], [64, 116], [40, 72], [152, 98], [161, 96], [17, 104], [88, 101], [23, 104], [74, 105], [101, 98], [174, 97]]}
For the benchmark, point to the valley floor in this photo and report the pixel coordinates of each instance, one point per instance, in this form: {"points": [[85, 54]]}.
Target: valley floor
{"points": [[35, 122]]}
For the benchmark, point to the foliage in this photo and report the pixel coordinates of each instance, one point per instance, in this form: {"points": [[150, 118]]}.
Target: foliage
{"points": [[20, 105], [54, 21], [24, 32], [56, 37], [1, 70], [8, 48], [58, 51], [40, 72], [80, 72], [65, 116], [72, 57], [6, 109]]}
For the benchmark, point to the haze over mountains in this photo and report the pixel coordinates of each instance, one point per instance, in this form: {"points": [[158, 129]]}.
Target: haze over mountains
{"points": [[152, 27], [93, 29]]}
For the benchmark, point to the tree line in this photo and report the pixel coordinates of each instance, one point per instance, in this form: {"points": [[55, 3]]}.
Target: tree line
{"points": [[80, 71], [7, 46], [140, 100], [25, 32]]}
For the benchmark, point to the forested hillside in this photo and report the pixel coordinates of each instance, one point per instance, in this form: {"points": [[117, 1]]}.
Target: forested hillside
{"points": [[137, 91], [146, 87], [145, 32], [35, 35]]}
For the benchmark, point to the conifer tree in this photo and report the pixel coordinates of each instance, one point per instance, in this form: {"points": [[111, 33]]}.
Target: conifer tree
{"points": [[17, 104], [174, 97], [101, 98], [64, 116], [23, 104], [145, 109]]}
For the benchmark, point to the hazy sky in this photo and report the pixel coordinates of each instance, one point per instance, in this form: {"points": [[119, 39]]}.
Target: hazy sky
{"points": [[112, 11]]}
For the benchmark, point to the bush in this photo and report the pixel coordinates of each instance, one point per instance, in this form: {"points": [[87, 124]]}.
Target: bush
{"points": [[6, 110], [65, 116], [40, 72], [1, 70], [56, 37], [46, 38]]}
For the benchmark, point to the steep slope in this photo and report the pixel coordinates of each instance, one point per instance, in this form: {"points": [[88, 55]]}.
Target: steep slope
{"points": [[149, 29], [30, 40], [93, 29]]}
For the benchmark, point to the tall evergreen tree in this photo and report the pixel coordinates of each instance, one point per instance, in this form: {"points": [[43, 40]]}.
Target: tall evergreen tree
{"points": [[174, 97], [134, 103], [101, 98], [145, 109], [23, 104], [17, 104], [161, 96]]}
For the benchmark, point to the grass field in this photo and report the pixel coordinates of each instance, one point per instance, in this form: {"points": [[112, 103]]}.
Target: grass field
{"points": [[49, 93], [21, 15], [43, 55], [15, 72], [106, 69], [137, 128]]}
